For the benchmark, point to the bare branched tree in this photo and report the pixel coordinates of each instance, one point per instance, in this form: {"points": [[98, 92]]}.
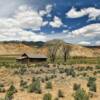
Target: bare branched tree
{"points": [[66, 49], [52, 53]]}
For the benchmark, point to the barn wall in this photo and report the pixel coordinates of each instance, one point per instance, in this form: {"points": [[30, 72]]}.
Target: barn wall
{"points": [[31, 60]]}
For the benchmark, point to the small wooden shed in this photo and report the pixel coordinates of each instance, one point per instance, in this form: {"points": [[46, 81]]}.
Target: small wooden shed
{"points": [[31, 58]]}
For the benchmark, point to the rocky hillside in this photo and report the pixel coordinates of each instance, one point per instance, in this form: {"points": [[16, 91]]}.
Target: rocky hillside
{"points": [[13, 48]]}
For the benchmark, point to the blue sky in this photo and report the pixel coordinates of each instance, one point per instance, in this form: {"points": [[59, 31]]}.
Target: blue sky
{"points": [[74, 21]]}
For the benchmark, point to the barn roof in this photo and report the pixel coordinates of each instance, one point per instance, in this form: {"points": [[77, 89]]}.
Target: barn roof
{"points": [[36, 55], [29, 55], [20, 58]]}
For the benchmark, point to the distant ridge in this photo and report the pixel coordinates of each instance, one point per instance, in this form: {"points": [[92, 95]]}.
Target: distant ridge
{"points": [[18, 47]]}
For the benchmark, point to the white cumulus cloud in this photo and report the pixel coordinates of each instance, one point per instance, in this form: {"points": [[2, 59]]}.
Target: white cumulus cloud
{"points": [[46, 11], [56, 23], [28, 18], [92, 13], [14, 28], [88, 31]]}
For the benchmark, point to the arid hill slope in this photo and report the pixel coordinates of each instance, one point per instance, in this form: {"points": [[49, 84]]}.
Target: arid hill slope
{"points": [[11, 48]]}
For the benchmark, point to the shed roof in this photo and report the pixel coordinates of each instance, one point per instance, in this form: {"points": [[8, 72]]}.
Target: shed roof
{"points": [[34, 55]]}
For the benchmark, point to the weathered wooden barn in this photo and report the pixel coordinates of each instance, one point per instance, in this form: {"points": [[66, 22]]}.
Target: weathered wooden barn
{"points": [[31, 58]]}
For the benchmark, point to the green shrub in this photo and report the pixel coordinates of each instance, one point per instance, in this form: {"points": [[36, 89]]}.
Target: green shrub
{"points": [[47, 96], [97, 67], [2, 89], [1, 85], [23, 84], [35, 87], [93, 87], [91, 84], [48, 85], [46, 78], [60, 94], [22, 70], [33, 79], [80, 94], [10, 92], [71, 72]]}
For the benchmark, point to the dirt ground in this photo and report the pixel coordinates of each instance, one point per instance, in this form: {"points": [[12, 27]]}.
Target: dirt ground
{"points": [[63, 82]]}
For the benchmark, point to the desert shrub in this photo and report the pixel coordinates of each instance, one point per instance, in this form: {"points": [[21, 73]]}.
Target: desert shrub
{"points": [[61, 70], [92, 87], [89, 68], [2, 88], [53, 76], [47, 96], [91, 94], [35, 87], [42, 79], [91, 84], [1, 85], [10, 92], [33, 79], [80, 94], [22, 70], [56, 98], [91, 80], [84, 74], [71, 72], [60, 94], [23, 84], [94, 73], [46, 65], [98, 72], [97, 67], [49, 85], [76, 86], [47, 78]]}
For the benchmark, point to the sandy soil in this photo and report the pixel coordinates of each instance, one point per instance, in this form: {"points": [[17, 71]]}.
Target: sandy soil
{"points": [[65, 84]]}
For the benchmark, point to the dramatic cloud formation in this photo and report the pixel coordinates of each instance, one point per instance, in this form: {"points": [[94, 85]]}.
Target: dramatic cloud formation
{"points": [[76, 22], [93, 13], [14, 28]]}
